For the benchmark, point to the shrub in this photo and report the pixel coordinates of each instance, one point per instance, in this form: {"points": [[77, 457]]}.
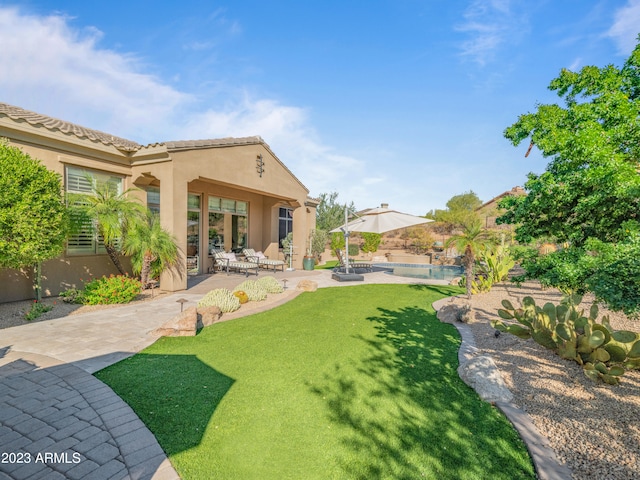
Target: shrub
{"points": [[270, 284], [72, 295], [37, 309], [111, 290], [603, 352], [255, 291], [221, 298], [371, 242]]}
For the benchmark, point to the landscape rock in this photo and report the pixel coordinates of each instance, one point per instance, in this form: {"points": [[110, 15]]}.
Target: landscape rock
{"points": [[307, 285], [448, 313], [482, 374], [208, 315], [182, 325]]}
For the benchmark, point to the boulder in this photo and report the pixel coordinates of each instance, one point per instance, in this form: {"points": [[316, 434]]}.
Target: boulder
{"points": [[307, 285], [208, 315], [182, 325], [481, 374], [448, 313], [451, 313]]}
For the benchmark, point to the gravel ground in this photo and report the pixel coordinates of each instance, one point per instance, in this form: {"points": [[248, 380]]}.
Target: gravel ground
{"points": [[594, 428]]}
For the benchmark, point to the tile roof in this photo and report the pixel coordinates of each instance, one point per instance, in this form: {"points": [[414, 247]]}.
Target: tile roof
{"points": [[219, 142], [53, 124]]}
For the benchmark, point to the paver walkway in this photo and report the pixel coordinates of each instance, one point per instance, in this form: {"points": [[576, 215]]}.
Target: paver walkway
{"points": [[58, 421]]}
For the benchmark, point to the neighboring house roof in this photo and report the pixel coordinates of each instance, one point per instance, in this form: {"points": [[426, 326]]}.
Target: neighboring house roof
{"points": [[21, 115], [494, 201]]}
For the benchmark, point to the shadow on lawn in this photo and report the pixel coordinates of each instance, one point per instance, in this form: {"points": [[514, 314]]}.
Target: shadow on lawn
{"points": [[176, 387], [406, 414]]}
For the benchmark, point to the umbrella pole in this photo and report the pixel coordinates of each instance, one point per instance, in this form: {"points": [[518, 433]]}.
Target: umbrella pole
{"points": [[346, 241]]}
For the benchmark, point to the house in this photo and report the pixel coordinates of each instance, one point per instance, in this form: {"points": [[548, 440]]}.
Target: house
{"points": [[489, 211], [225, 193]]}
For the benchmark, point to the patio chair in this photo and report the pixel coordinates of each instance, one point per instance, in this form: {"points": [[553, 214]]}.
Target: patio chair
{"points": [[228, 261], [263, 261], [354, 265]]}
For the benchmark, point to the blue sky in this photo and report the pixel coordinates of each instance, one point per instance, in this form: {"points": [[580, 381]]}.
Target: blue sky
{"points": [[399, 101]]}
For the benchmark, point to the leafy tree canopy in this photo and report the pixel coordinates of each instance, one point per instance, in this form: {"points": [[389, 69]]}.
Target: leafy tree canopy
{"points": [[591, 186], [460, 211], [589, 196], [33, 219], [330, 213]]}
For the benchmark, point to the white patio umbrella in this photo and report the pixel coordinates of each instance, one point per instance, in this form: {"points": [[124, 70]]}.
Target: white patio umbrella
{"points": [[377, 220]]}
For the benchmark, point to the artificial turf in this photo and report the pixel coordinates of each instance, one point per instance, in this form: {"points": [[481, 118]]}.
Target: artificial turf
{"points": [[352, 382]]}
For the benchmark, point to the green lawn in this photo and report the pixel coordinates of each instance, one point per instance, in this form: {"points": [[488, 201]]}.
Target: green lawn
{"points": [[343, 383]]}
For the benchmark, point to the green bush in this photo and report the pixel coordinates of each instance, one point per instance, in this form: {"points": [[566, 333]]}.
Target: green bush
{"points": [[72, 295], [37, 309], [371, 242], [110, 290]]}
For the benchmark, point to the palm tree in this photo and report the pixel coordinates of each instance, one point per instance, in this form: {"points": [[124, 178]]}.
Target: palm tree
{"points": [[112, 212], [471, 240], [151, 247]]}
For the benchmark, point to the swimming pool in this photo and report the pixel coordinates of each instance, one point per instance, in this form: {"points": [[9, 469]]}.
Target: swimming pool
{"points": [[425, 272]]}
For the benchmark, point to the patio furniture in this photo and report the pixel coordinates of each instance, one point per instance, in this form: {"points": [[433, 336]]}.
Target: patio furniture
{"points": [[228, 261], [353, 264], [262, 260]]}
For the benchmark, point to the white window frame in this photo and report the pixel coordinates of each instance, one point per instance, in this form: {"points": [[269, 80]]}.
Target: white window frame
{"points": [[82, 181]]}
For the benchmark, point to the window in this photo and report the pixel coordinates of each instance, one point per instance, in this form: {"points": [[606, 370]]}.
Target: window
{"points": [[80, 181], [153, 199], [232, 214], [285, 223], [193, 225]]}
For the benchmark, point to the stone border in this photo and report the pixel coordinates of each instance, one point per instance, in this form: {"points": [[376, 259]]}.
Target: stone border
{"points": [[544, 459]]}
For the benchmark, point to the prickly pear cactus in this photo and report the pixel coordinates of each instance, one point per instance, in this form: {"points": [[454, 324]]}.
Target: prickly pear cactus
{"points": [[270, 284], [604, 353], [221, 298], [254, 291], [242, 296]]}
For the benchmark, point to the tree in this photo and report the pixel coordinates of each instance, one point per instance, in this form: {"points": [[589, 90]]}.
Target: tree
{"points": [[330, 213], [112, 212], [471, 241], [33, 216], [151, 247], [371, 241], [591, 186], [461, 210]]}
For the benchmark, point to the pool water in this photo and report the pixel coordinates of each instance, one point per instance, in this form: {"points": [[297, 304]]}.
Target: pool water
{"points": [[425, 272]]}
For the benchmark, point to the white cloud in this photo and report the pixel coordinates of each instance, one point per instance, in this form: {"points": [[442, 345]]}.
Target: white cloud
{"points": [[626, 27], [62, 72], [288, 132], [56, 70], [488, 25]]}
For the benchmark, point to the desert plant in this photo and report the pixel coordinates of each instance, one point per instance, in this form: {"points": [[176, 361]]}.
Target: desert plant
{"points": [[603, 352], [221, 298], [493, 267], [270, 284], [253, 289], [110, 290], [242, 296]]}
